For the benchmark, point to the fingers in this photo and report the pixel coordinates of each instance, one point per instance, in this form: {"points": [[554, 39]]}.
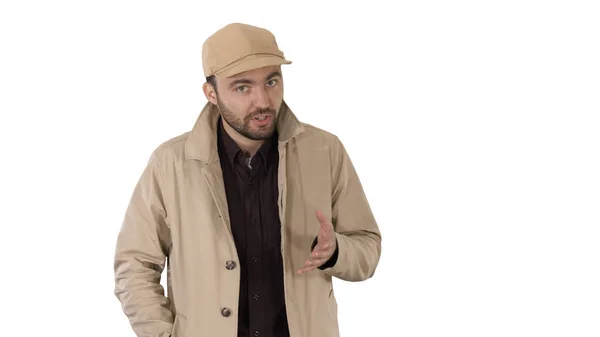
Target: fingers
{"points": [[319, 256], [314, 262], [305, 270], [322, 251], [311, 264], [325, 247], [325, 223], [325, 234], [321, 217]]}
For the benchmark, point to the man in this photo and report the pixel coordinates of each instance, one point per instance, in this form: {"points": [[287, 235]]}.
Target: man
{"points": [[254, 212]]}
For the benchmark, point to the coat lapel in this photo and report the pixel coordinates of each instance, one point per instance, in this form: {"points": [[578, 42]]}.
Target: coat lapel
{"points": [[201, 145], [214, 179]]}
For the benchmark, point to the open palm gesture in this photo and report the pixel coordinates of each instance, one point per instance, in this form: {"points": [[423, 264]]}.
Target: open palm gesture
{"points": [[325, 247]]}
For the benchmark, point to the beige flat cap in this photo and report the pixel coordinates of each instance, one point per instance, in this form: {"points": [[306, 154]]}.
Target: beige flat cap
{"points": [[239, 47]]}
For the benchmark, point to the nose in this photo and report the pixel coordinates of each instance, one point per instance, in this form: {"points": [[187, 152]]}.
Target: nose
{"points": [[262, 98]]}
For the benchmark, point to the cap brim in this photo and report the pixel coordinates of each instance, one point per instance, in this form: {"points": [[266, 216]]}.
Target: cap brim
{"points": [[251, 64]]}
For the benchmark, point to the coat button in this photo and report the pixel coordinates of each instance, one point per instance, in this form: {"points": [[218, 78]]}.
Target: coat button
{"points": [[256, 333], [230, 265], [226, 312]]}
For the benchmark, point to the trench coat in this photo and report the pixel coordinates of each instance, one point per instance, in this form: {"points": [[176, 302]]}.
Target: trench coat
{"points": [[178, 218]]}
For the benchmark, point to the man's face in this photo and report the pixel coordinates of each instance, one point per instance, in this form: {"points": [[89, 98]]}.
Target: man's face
{"points": [[249, 102]]}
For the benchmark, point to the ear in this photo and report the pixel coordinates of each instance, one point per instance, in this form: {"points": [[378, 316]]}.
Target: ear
{"points": [[210, 93]]}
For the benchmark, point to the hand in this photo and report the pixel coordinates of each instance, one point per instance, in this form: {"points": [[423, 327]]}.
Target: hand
{"points": [[325, 247]]}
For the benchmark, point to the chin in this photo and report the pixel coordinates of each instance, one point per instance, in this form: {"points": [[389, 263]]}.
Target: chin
{"points": [[263, 135]]}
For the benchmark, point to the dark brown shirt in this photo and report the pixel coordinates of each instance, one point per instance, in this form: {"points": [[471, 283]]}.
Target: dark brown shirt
{"points": [[251, 189], [252, 200]]}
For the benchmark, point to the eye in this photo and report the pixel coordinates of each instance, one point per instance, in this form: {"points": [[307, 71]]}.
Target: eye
{"points": [[242, 88], [271, 83]]}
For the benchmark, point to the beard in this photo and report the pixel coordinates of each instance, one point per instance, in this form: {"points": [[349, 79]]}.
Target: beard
{"points": [[243, 126]]}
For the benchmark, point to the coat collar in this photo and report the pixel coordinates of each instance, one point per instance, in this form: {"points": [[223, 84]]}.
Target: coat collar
{"points": [[202, 141]]}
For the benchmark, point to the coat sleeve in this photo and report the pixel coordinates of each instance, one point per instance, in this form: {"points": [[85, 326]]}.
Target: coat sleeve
{"points": [[357, 233], [142, 247]]}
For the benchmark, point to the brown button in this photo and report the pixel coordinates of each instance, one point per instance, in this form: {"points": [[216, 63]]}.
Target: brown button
{"points": [[226, 312], [230, 265]]}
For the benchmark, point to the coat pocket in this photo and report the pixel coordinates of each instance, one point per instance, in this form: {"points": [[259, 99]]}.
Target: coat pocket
{"points": [[179, 326]]}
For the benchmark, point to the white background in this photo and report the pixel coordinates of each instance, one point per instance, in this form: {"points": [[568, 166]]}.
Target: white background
{"points": [[474, 126]]}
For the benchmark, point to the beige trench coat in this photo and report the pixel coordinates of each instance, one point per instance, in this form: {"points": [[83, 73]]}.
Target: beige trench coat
{"points": [[178, 218]]}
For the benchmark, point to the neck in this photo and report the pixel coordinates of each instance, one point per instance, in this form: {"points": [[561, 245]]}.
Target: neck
{"points": [[247, 145]]}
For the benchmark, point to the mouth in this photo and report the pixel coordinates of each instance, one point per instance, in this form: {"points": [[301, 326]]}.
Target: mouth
{"points": [[262, 120], [262, 117]]}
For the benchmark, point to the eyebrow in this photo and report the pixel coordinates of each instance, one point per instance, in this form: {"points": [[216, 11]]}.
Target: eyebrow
{"points": [[273, 74], [247, 81]]}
